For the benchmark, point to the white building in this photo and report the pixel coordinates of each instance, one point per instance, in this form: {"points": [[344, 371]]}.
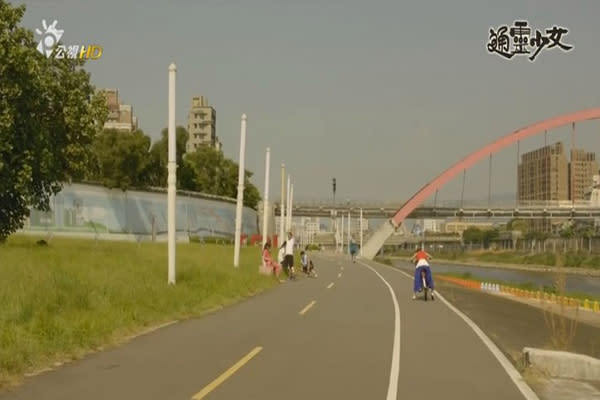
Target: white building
{"points": [[593, 193], [431, 225]]}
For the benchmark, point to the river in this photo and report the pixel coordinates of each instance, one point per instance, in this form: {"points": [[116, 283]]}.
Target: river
{"points": [[574, 284]]}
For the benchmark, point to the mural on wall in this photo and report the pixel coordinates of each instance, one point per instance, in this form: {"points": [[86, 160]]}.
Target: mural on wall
{"points": [[96, 209]]}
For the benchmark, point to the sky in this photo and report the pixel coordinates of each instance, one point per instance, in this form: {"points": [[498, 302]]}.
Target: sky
{"points": [[382, 95]]}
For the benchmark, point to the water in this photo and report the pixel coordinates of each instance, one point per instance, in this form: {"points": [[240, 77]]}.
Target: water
{"points": [[574, 283]]}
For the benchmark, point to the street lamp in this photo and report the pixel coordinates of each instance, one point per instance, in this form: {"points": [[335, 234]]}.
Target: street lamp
{"points": [[334, 215], [333, 211], [349, 226]]}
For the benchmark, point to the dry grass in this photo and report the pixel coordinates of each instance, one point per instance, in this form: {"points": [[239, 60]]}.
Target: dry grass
{"points": [[562, 327]]}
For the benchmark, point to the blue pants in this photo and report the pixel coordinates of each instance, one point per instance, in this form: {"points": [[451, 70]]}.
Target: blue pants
{"points": [[428, 278]]}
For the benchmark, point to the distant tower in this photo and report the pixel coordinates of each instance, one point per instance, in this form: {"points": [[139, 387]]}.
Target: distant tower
{"points": [[202, 123]]}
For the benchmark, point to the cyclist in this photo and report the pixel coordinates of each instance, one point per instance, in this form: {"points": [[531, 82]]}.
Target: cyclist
{"points": [[421, 259]]}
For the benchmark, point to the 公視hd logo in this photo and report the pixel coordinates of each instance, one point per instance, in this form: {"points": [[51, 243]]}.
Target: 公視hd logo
{"points": [[50, 37]]}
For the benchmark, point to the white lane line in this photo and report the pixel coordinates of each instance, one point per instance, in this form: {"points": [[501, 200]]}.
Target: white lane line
{"points": [[330, 285], [305, 309], [392, 393], [340, 275], [512, 372]]}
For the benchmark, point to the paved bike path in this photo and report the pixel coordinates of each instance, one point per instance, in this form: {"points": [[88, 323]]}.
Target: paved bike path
{"points": [[340, 347]]}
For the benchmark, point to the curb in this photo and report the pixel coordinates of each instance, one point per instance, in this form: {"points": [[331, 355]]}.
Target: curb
{"points": [[589, 305], [562, 364]]}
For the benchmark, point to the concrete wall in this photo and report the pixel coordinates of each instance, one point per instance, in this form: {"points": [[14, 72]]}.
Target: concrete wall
{"points": [[80, 208]]}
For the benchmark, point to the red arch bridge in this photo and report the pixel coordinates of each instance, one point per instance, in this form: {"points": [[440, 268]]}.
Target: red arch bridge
{"points": [[412, 207], [526, 211]]}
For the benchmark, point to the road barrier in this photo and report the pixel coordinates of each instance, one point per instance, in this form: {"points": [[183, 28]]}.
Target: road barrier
{"points": [[489, 287]]}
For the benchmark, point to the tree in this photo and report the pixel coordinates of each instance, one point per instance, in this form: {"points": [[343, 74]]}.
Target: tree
{"points": [[567, 230], [489, 236], [208, 171], [472, 235], [123, 159], [251, 193], [49, 115], [160, 157], [518, 225]]}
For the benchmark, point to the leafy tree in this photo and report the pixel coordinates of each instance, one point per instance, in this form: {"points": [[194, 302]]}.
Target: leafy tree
{"points": [[208, 171], [160, 157], [518, 225], [472, 235], [123, 159], [489, 236], [251, 193], [567, 230], [204, 170], [49, 115]]}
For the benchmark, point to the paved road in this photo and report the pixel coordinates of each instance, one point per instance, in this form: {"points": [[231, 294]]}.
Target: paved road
{"points": [[304, 339]]}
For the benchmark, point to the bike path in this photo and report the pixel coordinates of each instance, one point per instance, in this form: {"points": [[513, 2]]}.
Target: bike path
{"points": [[325, 338]]}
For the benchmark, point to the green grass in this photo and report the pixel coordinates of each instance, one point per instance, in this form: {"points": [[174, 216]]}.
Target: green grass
{"points": [[60, 301]]}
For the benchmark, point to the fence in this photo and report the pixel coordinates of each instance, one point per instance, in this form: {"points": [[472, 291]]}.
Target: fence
{"points": [[82, 209], [562, 245]]}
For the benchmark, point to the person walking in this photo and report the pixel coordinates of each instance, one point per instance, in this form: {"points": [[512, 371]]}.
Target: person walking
{"points": [[288, 260]]}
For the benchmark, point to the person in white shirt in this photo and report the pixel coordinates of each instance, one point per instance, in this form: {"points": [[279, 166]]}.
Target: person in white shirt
{"points": [[288, 260]]}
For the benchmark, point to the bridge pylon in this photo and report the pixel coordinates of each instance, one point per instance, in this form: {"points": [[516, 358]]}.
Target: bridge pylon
{"points": [[378, 238]]}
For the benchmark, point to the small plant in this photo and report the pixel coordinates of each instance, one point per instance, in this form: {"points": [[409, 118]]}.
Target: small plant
{"points": [[562, 328]]}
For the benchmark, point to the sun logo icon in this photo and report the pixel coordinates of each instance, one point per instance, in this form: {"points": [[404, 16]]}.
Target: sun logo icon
{"points": [[50, 37]]}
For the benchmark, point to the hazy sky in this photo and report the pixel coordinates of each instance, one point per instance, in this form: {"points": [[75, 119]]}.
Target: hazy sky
{"points": [[383, 95]]}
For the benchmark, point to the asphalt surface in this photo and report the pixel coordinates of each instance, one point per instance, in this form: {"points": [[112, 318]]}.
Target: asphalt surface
{"points": [[513, 325], [341, 347]]}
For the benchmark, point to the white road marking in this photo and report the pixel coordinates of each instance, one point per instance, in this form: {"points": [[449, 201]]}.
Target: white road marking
{"points": [[512, 372], [305, 309], [392, 393]]}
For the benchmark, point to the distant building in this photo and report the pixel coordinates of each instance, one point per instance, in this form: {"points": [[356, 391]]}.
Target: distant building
{"points": [[202, 125], [310, 226], [543, 174], [582, 168], [593, 192], [431, 225], [546, 174], [120, 116]]}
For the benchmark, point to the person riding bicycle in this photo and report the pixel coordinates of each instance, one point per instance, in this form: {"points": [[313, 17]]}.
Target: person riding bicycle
{"points": [[421, 259]]}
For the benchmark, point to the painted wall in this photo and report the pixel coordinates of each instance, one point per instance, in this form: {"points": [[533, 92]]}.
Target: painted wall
{"points": [[96, 209]]}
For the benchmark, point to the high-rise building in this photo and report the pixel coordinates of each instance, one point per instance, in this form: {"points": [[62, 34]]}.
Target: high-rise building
{"points": [[582, 168], [543, 174], [546, 174], [120, 116], [202, 125]]}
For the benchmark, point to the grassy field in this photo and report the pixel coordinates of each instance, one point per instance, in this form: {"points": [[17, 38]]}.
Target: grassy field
{"points": [[61, 301], [571, 259]]}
